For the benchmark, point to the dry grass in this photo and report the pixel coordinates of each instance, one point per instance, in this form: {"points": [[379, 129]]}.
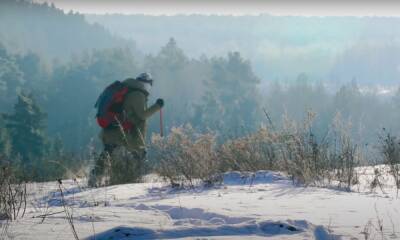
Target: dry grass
{"points": [[251, 153], [184, 156]]}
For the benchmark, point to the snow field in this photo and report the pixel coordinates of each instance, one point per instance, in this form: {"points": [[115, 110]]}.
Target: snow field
{"points": [[251, 206]]}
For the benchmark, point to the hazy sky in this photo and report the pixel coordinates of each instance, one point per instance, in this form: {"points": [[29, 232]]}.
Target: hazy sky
{"points": [[235, 7]]}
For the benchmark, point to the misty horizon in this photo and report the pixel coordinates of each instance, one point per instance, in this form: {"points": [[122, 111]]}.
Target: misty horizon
{"points": [[386, 8]]}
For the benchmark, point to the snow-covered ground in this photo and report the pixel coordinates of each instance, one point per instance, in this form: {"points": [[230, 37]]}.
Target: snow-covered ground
{"points": [[264, 206]]}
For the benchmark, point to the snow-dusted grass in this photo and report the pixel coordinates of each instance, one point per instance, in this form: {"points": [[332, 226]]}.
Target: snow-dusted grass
{"points": [[251, 206]]}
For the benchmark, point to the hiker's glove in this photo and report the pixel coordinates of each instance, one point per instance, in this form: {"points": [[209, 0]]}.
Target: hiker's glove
{"points": [[160, 102]]}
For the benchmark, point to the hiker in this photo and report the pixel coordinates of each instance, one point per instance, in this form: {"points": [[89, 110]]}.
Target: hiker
{"points": [[127, 128]]}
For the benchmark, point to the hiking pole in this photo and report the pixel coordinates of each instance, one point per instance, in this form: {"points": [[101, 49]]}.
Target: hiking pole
{"points": [[161, 123]]}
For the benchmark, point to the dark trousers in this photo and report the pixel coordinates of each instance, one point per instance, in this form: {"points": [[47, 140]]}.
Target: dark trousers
{"points": [[126, 168], [98, 171]]}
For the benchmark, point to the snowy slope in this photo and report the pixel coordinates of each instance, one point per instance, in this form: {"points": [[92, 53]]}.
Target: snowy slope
{"points": [[266, 205]]}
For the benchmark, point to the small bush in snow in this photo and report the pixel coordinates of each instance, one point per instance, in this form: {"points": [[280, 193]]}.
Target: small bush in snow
{"points": [[124, 167], [305, 158], [390, 148], [12, 193], [185, 156], [257, 151], [312, 160]]}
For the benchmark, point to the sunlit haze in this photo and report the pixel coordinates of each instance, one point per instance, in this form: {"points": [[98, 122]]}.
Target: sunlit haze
{"points": [[252, 7]]}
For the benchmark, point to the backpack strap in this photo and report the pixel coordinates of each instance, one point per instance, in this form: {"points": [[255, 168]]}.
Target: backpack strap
{"points": [[138, 90]]}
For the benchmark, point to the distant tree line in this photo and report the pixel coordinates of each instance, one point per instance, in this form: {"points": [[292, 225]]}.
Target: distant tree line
{"points": [[335, 48], [26, 25]]}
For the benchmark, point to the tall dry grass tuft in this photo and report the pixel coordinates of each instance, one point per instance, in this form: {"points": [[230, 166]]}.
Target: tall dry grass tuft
{"points": [[319, 160], [304, 158], [251, 153], [183, 157]]}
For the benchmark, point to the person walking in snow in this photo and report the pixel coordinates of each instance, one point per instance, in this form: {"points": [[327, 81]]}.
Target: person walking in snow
{"points": [[122, 114]]}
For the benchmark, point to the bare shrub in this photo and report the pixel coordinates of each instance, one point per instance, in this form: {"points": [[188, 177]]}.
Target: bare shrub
{"points": [[331, 158], [390, 148], [297, 150], [346, 155], [12, 193], [377, 181], [306, 158], [124, 167], [257, 151], [185, 156]]}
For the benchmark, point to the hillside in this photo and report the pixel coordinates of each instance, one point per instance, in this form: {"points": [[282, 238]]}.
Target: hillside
{"points": [[45, 30]]}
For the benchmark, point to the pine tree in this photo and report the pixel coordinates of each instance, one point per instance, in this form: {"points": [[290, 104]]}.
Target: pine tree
{"points": [[11, 80], [26, 127], [170, 69], [230, 103], [5, 143]]}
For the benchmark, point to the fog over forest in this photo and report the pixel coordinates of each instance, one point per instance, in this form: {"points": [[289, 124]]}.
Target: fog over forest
{"points": [[224, 74], [333, 50]]}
